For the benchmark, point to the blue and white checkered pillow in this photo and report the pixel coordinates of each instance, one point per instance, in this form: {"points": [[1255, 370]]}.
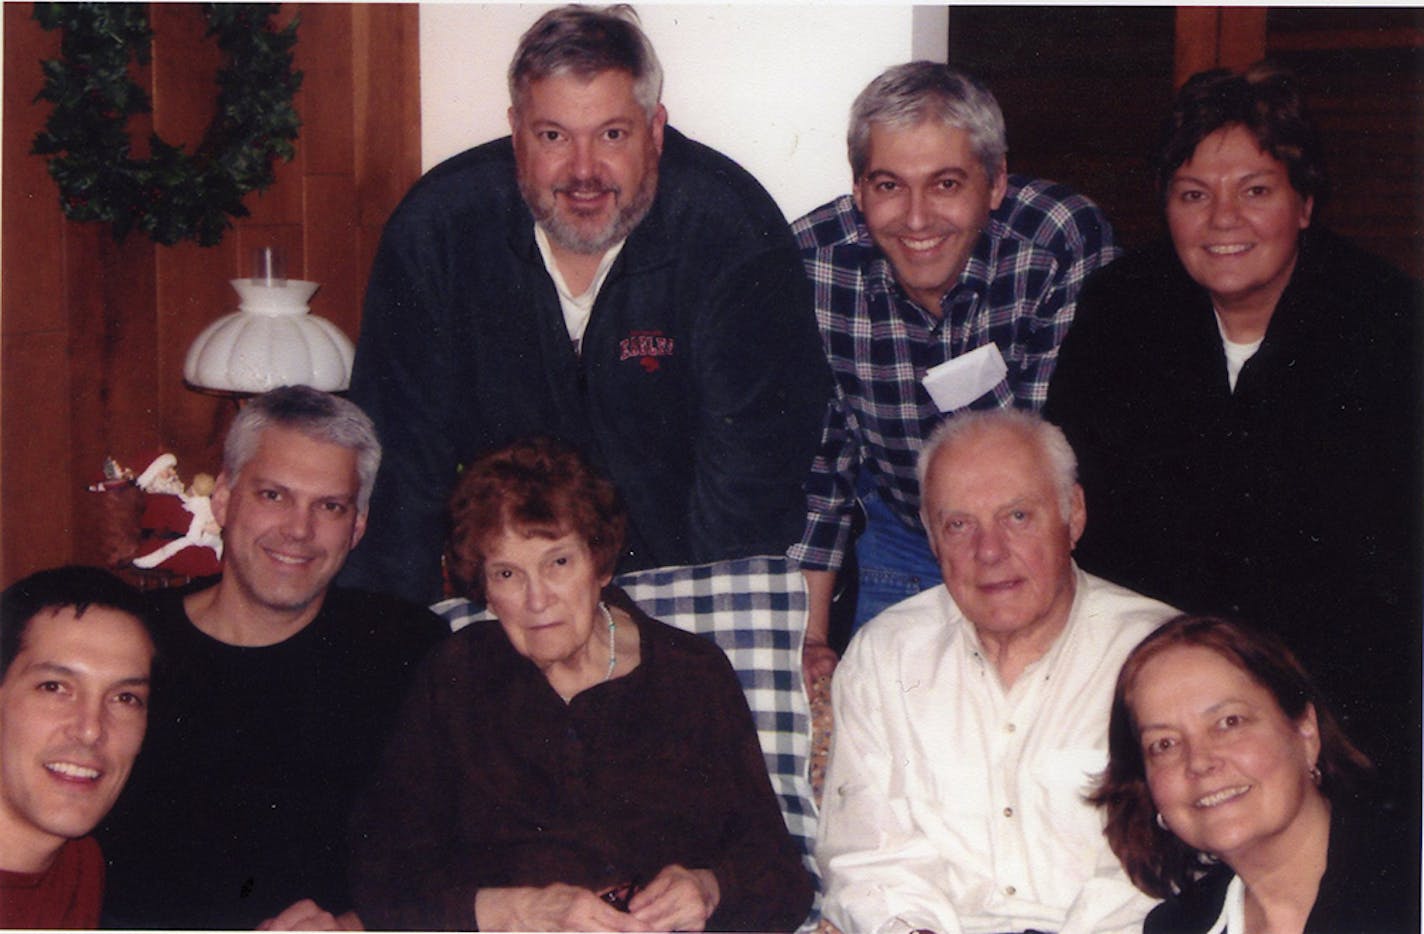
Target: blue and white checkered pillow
{"points": [[755, 610]]}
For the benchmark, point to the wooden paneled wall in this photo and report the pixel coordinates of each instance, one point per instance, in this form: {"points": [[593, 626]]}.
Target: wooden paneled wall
{"points": [[93, 332], [1363, 76], [1218, 37], [1084, 118]]}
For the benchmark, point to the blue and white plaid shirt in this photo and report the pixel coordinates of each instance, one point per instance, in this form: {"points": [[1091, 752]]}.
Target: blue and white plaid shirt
{"points": [[1018, 290]]}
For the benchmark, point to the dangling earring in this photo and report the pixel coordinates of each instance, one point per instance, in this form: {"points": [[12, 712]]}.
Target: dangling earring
{"points": [[1314, 774], [1161, 822]]}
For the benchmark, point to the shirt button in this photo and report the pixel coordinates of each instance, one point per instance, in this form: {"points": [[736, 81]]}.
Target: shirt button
{"points": [[1010, 890], [1008, 812], [1009, 728]]}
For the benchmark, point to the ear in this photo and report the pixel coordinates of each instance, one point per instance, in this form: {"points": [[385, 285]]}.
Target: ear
{"points": [[656, 126], [855, 195], [222, 492], [513, 119], [1308, 726], [358, 528], [1000, 186], [1077, 514], [1307, 210]]}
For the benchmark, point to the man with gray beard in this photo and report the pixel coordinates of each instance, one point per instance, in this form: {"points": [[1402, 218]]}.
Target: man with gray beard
{"points": [[600, 278]]}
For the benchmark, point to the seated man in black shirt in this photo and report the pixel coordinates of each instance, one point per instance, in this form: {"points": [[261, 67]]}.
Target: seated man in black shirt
{"points": [[275, 694]]}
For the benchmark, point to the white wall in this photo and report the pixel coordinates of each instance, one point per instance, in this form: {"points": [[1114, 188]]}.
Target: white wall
{"points": [[770, 86]]}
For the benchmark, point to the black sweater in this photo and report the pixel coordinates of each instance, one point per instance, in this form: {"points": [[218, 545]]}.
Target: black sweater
{"points": [[700, 389], [1293, 502], [1370, 886], [239, 802]]}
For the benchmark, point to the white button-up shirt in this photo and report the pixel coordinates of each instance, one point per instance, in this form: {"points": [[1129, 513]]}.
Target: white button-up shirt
{"points": [[956, 805]]}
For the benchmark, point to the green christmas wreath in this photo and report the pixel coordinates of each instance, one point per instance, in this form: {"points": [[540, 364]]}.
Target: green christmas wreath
{"points": [[172, 195]]}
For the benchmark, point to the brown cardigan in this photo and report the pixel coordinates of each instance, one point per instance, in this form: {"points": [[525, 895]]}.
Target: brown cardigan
{"points": [[492, 780]]}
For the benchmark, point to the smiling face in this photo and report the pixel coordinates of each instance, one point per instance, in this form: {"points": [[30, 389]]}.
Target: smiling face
{"points": [[289, 519], [995, 523], [1236, 221], [73, 710], [544, 591], [1228, 770], [586, 155], [926, 197]]}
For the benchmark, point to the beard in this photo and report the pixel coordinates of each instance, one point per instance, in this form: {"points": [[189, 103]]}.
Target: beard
{"points": [[568, 232]]}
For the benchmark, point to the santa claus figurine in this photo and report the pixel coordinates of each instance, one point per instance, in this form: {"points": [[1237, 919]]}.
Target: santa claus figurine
{"points": [[179, 531]]}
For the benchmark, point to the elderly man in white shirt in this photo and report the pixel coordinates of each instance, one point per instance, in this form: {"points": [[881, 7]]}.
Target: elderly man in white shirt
{"points": [[972, 719]]}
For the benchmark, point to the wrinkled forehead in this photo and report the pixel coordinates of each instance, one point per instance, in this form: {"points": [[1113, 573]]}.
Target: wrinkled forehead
{"points": [[999, 458]]}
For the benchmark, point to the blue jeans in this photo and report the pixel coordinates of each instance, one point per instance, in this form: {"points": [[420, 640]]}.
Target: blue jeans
{"points": [[894, 562]]}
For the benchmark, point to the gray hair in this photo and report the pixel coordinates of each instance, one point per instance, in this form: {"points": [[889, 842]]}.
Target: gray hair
{"points": [[907, 95], [1047, 436], [587, 41], [319, 416]]}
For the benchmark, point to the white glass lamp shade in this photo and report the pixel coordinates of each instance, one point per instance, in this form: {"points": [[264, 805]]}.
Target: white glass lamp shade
{"points": [[271, 340]]}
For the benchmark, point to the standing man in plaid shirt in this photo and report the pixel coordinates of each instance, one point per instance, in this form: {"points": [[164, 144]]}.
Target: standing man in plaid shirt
{"points": [[942, 283]]}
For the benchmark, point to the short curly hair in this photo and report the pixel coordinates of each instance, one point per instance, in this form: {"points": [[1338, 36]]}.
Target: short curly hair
{"points": [[534, 486], [1266, 101], [1156, 861]]}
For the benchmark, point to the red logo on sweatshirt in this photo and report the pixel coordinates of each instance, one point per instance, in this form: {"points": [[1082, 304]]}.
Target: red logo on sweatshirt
{"points": [[646, 347]]}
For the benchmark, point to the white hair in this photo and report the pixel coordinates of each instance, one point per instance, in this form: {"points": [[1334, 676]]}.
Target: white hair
{"points": [[1047, 436]]}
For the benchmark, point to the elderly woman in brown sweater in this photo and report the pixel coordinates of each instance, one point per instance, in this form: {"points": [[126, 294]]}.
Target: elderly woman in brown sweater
{"points": [[573, 764]]}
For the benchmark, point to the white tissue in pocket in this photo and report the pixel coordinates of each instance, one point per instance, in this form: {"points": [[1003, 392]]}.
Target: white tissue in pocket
{"points": [[956, 383]]}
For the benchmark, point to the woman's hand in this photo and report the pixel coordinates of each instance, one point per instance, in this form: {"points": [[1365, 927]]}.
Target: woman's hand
{"points": [[556, 907], [307, 915], [678, 899]]}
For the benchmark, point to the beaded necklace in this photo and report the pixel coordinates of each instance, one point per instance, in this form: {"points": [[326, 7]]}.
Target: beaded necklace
{"points": [[612, 649]]}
